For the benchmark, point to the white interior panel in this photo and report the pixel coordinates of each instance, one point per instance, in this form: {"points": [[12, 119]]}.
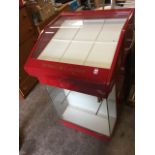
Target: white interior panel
{"points": [[101, 55], [86, 120], [111, 30], [54, 50], [90, 30], [83, 102], [65, 33], [77, 52]]}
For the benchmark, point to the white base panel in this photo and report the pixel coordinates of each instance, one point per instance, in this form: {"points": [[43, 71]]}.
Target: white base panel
{"points": [[87, 120]]}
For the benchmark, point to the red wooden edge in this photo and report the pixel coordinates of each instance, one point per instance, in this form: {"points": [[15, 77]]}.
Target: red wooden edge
{"points": [[84, 130]]}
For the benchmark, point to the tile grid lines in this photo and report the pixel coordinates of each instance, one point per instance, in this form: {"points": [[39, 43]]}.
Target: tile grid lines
{"points": [[60, 59], [93, 44], [70, 41]]}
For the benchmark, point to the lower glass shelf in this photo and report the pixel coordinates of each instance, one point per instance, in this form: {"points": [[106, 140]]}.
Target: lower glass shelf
{"points": [[84, 119], [85, 110]]}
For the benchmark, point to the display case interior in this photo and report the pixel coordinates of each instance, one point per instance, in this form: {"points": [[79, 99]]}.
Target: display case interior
{"points": [[85, 110]]}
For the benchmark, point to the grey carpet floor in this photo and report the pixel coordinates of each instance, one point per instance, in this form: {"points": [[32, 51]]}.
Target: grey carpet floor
{"points": [[42, 135]]}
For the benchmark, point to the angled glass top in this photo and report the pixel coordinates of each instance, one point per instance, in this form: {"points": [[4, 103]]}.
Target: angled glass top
{"points": [[88, 42]]}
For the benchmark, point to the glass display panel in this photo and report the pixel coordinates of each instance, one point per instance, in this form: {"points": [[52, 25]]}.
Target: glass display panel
{"points": [[85, 110], [88, 42]]}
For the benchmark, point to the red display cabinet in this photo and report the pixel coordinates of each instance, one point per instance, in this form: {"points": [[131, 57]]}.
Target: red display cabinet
{"points": [[84, 54]]}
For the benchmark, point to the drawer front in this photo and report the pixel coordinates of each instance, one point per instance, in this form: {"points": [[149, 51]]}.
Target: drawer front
{"points": [[26, 86], [26, 28]]}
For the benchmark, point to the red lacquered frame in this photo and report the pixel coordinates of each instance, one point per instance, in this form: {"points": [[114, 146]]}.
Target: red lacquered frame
{"points": [[77, 77]]}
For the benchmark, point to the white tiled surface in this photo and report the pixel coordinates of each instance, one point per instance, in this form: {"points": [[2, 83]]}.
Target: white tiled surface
{"points": [[111, 30], [85, 42], [66, 33], [101, 55], [90, 30], [67, 30], [54, 50], [77, 52]]}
